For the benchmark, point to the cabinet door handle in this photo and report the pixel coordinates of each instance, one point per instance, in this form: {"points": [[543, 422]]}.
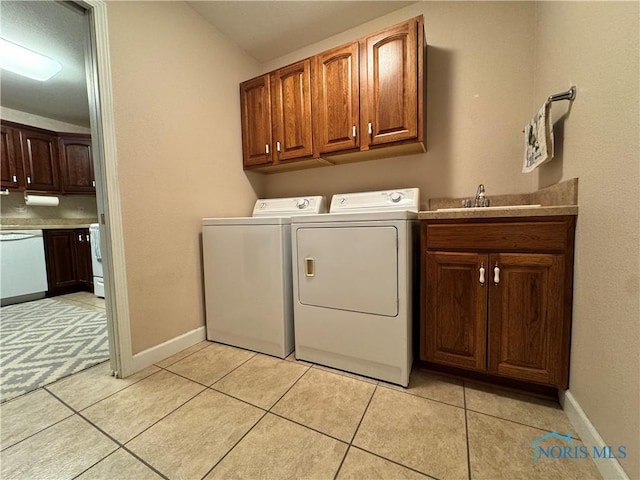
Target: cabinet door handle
{"points": [[309, 267], [370, 128], [266, 149], [93, 183], [79, 237], [86, 236], [15, 179], [482, 274], [29, 180], [354, 131], [496, 274], [277, 146]]}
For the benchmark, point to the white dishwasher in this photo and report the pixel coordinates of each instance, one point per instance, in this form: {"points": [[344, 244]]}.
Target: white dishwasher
{"points": [[23, 271]]}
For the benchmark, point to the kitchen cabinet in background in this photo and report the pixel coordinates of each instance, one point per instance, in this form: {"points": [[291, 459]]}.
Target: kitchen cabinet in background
{"points": [[76, 164], [39, 153], [10, 175], [68, 259], [496, 297]]}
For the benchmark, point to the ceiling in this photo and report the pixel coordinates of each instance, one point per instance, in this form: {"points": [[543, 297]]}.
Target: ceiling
{"points": [[57, 31], [271, 29], [264, 29]]}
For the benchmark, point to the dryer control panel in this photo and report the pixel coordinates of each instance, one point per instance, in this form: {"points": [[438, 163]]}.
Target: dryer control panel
{"points": [[289, 207], [406, 199]]}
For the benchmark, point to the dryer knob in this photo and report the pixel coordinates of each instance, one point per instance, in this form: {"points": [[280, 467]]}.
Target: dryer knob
{"points": [[395, 197], [302, 203], [263, 205]]}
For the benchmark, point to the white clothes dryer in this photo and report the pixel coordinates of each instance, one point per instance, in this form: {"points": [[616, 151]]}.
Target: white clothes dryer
{"points": [[247, 275], [353, 282]]}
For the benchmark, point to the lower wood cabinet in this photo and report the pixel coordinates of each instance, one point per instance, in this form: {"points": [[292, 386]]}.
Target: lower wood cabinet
{"points": [[68, 259], [499, 303]]}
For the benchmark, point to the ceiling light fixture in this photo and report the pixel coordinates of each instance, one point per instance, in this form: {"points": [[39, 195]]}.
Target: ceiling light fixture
{"points": [[26, 62]]}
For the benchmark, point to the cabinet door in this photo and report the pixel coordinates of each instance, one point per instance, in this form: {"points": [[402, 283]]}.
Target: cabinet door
{"points": [[390, 106], [292, 111], [60, 254], [336, 101], [76, 164], [9, 166], [526, 317], [455, 320], [40, 159], [83, 257], [255, 103]]}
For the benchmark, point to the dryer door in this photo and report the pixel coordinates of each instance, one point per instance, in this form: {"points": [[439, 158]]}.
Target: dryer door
{"points": [[349, 268]]}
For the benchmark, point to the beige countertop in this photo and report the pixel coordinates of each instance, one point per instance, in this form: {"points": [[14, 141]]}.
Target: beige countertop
{"points": [[559, 199]]}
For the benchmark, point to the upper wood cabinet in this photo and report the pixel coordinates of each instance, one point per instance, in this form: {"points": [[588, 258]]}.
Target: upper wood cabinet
{"points": [[392, 71], [39, 152], [76, 164], [496, 297], [255, 101], [11, 177], [341, 105], [336, 99], [292, 129]]}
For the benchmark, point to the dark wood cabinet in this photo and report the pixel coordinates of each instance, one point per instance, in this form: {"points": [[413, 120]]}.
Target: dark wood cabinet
{"points": [[496, 296], [39, 152], [336, 99], [11, 177], [392, 73], [68, 259], [255, 101], [76, 164]]}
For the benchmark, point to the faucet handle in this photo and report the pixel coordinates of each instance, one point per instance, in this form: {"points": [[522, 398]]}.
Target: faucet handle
{"points": [[466, 203]]}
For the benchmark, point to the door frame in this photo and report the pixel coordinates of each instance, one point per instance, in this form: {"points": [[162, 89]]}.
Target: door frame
{"points": [[103, 135]]}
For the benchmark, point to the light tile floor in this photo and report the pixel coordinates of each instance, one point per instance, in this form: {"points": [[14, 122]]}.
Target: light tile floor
{"points": [[214, 411]]}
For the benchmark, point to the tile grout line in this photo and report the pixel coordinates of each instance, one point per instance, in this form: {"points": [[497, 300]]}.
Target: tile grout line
{"points": [[420, 396], [395, 462], [182, 358], [266, 412], [466, 429]]}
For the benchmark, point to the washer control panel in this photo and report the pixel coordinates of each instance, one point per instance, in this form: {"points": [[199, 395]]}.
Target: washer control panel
{"points": [[288, 207], [406, 199]]}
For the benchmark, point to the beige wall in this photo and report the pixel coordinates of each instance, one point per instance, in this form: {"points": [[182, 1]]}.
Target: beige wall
{"points": [[175, 90], [480, 82], [595, 46]]}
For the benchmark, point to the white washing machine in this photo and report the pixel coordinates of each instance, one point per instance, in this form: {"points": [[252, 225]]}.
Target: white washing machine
{"points": [[353, 283], [247, 275]]}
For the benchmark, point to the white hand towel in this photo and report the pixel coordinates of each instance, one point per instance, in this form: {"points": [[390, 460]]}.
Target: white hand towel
{"points": [[538, 139]]}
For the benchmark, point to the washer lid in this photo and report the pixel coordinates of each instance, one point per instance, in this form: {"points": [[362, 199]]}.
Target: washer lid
{"points": [[407, 199], [246, 221], [289, 207]]}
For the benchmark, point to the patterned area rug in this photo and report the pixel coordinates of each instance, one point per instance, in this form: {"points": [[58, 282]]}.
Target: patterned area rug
{"points": [[45, 340]]}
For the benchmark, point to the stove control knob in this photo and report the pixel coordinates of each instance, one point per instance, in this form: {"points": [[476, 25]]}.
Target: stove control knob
{"points": [[302, 203], [262, 205], [395, 197]]}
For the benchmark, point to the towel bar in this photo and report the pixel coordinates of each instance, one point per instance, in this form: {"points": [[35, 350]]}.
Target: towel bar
{"points": [[568, 95]]}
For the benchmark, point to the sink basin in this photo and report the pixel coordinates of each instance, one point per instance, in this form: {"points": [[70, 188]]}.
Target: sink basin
{"points": [[473, 209]]}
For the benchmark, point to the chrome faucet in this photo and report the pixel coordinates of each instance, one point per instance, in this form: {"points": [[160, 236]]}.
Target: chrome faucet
{"points": [[481, 200]]}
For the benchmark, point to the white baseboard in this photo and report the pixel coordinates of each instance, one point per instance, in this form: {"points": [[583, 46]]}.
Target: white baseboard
{"points": [[610, 469], [160, 352]]}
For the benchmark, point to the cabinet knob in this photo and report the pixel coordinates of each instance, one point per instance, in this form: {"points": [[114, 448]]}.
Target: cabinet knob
{"points": [[496, 274], [93, 184], [86, 236], [28, 180], [370, 128], [14, 179], [266, 148], [277, 146], [79, 237], [354, 131], [482, 274]]}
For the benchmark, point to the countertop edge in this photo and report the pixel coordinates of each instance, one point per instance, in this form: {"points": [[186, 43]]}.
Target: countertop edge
{"points": [[548, 211]]}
